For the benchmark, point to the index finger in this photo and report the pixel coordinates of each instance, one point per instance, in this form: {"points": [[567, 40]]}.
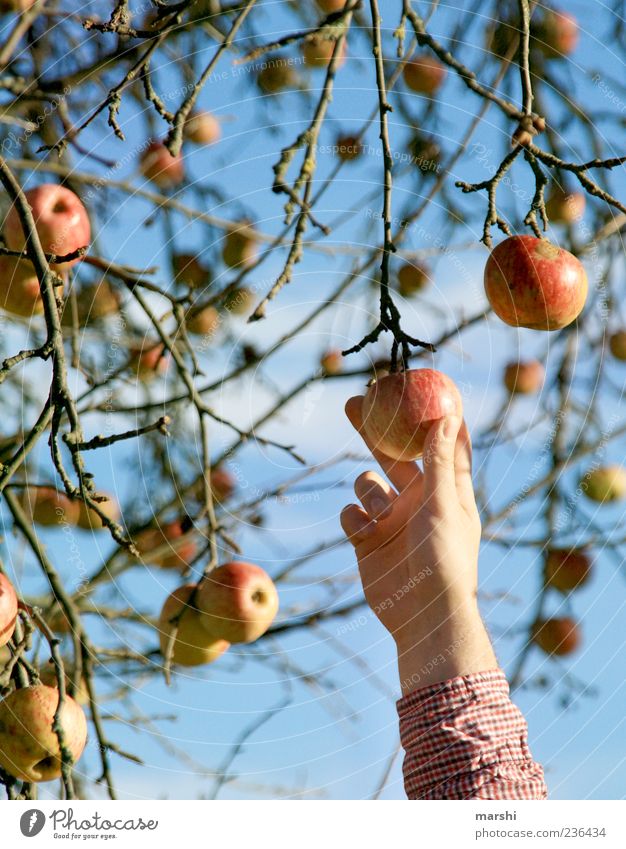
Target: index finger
{"points": [[401, 474]]}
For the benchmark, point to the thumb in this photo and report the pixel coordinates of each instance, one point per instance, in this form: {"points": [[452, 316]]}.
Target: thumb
{"points": [[439, 452]]}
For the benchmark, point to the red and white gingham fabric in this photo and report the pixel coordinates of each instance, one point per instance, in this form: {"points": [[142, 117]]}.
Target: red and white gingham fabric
{"points": [[465, 739]]}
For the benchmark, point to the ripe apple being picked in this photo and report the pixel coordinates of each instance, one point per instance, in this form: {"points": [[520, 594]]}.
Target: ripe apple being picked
{"points": [[607, 483], [559, 635], [524, 378], [29, 748], [399, 410], [8, 610], [193, 645], [238, 601], [567, 568], [61, 221], [530, 282]]}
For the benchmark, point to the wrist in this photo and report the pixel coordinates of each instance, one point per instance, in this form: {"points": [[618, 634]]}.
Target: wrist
{"points": [[444, 645]]}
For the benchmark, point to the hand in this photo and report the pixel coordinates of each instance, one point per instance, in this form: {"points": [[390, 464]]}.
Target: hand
{"points": [[417, 547]]}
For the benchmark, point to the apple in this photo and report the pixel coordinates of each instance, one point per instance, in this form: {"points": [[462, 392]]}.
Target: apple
{"points": [[524, 378], [318, 52], [399, 410], [89, 520], [203, 321], [94, 302], [412, 278], [189, 269], [567, 568], [557, 34], [193, 645], [275, 76], [61, 221], [500, 40], [559, 635], [240, 245], [149, 360], [329, 6], [202, 128], [50, 507], [238, 601], [617, 344], [608, 483], [565, 207], [159, 166], [57, 621], [240, 301], [332, 361], [29, 748], [426, 153], [348, 148], [425, 74], [19, 287], [47, 676], [168, 546], [532, 283], [223, 484], [8, 610]]}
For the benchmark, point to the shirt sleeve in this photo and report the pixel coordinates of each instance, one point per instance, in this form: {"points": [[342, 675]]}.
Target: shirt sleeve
{"points": [[465, 739]]}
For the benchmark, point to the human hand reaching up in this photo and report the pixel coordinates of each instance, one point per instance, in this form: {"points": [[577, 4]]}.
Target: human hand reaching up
{"points": [[416, 539]]}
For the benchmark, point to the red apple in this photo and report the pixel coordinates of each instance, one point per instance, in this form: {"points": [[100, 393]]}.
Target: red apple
{"points": [[332, 361], [29, 748], [89, 519], [348, 148], [60, 218], [149, 360], [275, 76], [240, 301], [203, 128], [329, 6], [223, 484], [567, 568], [240, 246], [203, 321], [238, 601], [532, 283], [193, 645], [189, 269], [607, 483], [559, 635], [318, 52], [524, 378], [169, 546], [19, 287], [412, 278], [399, 410], [617, 344], [557, 34], [8, 610], [50, 507], [565, 207], [160, 167], [424, 74]]}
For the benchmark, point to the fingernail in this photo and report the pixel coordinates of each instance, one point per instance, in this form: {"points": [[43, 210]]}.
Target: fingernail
{"points": [[379, 506]]}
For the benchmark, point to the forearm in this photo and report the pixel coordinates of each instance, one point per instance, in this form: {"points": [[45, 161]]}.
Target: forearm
{"points": [[443, 643]]}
